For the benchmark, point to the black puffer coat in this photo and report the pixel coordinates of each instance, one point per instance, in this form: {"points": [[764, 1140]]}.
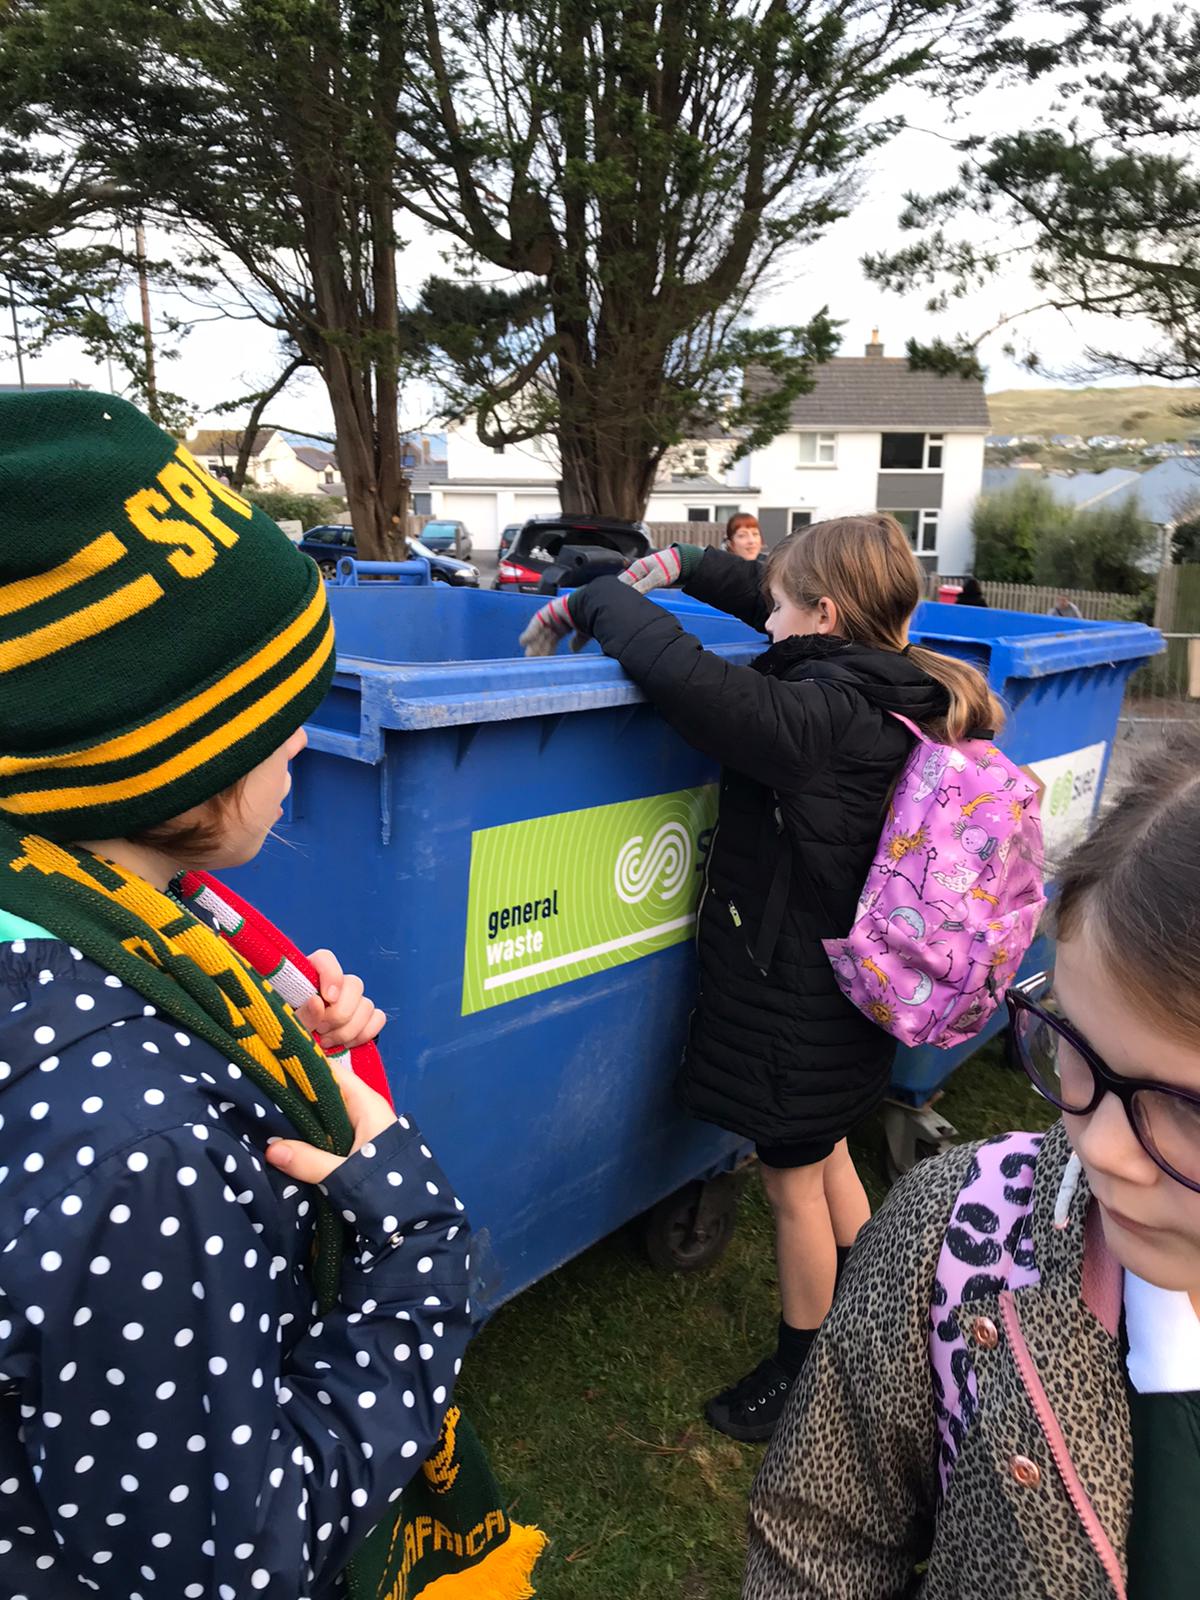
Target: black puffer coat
{"points": [[779, 1055]]}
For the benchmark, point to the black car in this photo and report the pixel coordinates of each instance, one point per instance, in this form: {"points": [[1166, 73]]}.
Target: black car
{"points": [[563, 552], [333, 540]]}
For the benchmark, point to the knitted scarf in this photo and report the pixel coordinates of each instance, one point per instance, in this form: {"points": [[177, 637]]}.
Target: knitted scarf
{"points": [[448, 1536]]}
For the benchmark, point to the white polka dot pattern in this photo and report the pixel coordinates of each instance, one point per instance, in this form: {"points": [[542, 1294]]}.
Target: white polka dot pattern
{"points": [[203, 1392]]}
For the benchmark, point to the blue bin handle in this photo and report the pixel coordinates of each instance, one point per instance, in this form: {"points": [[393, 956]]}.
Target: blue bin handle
{"points": [[411, 574]]}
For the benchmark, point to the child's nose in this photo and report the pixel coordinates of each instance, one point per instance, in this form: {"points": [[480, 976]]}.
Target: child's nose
{"points": [[1107, 1143]]}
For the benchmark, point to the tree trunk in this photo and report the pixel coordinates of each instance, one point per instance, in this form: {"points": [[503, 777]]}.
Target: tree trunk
{"points": [[246, 443]]}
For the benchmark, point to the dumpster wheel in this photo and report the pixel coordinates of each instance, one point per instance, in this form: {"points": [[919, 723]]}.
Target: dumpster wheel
{"points": [[911, 1135], [690, 1229]]}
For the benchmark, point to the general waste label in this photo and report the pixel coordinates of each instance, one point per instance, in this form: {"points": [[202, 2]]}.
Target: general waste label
{"points": [[556, 898], [1072, 790]]}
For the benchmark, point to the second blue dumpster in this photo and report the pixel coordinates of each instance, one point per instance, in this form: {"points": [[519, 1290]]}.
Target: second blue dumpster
{"points": [[511, 853]]}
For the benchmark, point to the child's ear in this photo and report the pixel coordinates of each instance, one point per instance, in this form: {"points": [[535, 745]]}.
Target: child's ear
{"points": [[827, 614]]}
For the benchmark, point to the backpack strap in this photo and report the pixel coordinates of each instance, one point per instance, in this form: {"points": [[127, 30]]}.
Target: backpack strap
{"points": [[988, 1247]]}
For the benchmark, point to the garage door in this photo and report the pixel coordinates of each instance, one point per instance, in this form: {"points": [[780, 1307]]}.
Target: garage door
{"points": [[534, 505], [478, 511]]}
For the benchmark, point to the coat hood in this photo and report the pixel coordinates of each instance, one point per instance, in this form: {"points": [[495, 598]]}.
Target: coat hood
{"points": [[889, 679]]}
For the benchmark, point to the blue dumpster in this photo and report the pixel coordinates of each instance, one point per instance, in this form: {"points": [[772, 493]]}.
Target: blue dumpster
{"points": [[511, 853]]}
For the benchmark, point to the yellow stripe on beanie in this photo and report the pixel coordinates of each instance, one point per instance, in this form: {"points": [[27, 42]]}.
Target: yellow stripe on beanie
{"points": [[171, 722], [95, 557], [97, 618], [204, 750]]}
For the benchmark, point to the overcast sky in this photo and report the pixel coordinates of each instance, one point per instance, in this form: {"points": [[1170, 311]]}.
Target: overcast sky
{"points": [[222, 359]]}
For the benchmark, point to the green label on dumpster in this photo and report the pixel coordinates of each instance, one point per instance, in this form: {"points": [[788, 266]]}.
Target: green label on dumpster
{"points": [[556, 898]]}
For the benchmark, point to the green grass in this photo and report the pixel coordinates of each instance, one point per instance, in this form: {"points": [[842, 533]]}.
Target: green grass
{"points": [[588, 1390], [1147, 412]]}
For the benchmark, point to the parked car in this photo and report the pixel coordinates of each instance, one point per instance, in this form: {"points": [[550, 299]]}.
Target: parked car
{"points": [[331, 541], [562, 552], [507, 535], [447, 537]]}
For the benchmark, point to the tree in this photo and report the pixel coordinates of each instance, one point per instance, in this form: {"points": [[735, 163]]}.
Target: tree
{"points": [[68, 253], [263, 133], [1010, 525], [1100, 199], [1102, 548], [1025, 535], [636, 172]]}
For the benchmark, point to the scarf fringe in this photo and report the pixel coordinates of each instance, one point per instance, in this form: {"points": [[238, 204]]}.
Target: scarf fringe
{"points": [[506, 1573]]}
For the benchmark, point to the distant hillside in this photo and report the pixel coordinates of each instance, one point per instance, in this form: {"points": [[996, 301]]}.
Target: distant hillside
{"points": [[1148, 413]]}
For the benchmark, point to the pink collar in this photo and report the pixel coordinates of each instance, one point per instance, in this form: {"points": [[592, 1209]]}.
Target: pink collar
{"points": [[1103, 1276]]}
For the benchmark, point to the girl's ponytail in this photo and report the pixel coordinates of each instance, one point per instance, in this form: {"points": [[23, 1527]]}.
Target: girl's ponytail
{"points": [[866, 567], [974, 709]]}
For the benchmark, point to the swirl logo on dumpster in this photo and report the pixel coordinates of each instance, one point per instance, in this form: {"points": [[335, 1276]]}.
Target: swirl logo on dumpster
{"points": [[663, 864]]}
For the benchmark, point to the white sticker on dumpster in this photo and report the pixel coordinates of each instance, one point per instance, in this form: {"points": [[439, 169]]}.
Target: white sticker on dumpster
{"points": [[1072, 789], [555, 898]]}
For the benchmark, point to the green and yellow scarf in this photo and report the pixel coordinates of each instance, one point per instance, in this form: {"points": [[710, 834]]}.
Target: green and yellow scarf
{"points": [[449, 1536]]}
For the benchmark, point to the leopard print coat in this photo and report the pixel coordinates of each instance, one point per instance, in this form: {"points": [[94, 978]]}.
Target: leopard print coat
{"points": [[849, 1503]]}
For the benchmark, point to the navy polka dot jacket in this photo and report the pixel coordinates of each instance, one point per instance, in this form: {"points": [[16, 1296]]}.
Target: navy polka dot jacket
{"points": [[175, 1421]]}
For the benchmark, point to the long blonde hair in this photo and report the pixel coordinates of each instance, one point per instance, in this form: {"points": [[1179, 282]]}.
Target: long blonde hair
{"points": [[866, 566]]}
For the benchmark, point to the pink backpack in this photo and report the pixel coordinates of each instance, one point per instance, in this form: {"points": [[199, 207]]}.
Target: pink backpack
{"points": [[952, 901]]}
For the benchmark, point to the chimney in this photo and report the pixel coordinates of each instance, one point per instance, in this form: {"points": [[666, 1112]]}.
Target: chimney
{"points": [[874, 351]]}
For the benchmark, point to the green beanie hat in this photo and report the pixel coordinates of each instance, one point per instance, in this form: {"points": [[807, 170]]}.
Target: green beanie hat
{"points": [[159, 636]]}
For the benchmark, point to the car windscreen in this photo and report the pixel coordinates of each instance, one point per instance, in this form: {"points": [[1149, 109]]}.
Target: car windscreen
{"points": [[440, 527], [544, 541]]}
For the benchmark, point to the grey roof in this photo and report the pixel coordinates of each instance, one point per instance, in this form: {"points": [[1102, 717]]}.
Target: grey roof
{"points": [[313, 456], [883, 392], [1167, 488], [427, 473], [225, 442], [685, 483], [1161, 493]]}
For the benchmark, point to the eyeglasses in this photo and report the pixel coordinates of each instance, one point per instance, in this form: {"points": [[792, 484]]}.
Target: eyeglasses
{"points": [[1065, 1070]]}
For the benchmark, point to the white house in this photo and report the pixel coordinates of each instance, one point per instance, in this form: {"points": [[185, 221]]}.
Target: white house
{"points": [[872, 435], [875, 436], [274, 463], [489, 488]]}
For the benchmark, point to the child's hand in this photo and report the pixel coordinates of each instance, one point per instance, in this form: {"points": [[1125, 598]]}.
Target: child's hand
{"points": [[549, 627], [369, 1113], [340, 1014]]}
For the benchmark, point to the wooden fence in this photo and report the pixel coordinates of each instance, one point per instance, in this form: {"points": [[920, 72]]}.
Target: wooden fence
{"points": [[704, 533], [1041, 599]]}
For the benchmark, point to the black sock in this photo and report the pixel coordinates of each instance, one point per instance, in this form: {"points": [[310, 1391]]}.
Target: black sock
{"points": [[793, 1348], [843, 1255]]}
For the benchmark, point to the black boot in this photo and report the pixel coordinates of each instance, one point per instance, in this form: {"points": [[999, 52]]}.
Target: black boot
{"points": [[749, 1409]]}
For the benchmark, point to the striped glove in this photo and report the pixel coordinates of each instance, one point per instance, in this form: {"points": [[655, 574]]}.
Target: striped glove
{"points": [[549, 627], [663, 568]]}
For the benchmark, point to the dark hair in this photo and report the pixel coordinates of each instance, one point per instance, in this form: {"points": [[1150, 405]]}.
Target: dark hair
{"points": [[866, 566], [192, 843], [739, 520], [972, 593], [1135, 884]]}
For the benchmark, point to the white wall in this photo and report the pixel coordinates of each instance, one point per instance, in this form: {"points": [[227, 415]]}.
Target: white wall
{"points": [[963, 463], [674, 507], [467, 458], [487, 509], [836, 491]]}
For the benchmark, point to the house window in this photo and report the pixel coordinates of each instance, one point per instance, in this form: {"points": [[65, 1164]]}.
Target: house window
{"points": [[921, 528], [422, 505], [723, 513], [818, 449], [700, 458], [911, 452], [798, 520], [698, 514], [328, 474]]}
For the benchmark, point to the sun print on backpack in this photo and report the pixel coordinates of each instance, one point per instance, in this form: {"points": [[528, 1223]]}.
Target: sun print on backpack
{"points": [[953, 897]]}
